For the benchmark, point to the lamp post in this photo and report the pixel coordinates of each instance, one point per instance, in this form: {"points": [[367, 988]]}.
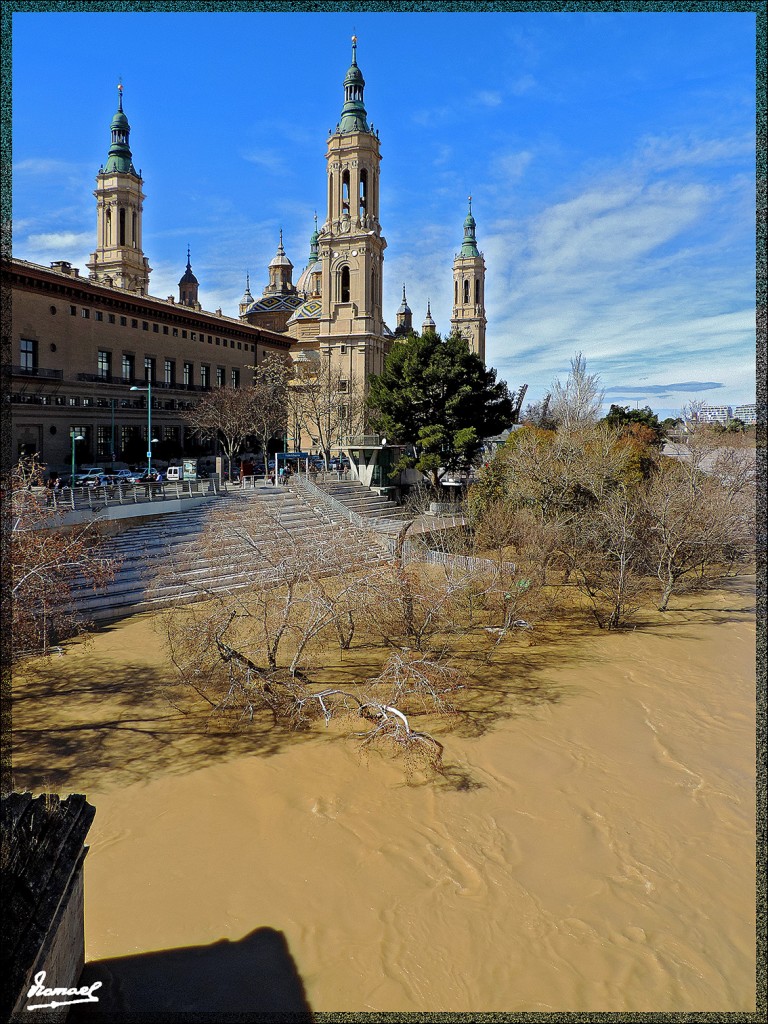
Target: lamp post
{"points": [[148, 389], [75, 437]]}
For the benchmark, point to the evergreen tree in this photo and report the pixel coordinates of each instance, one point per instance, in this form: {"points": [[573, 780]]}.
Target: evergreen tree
{"points": [[438, 396]]}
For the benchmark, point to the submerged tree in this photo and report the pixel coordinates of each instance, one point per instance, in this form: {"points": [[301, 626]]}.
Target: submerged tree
{"points": [[47, 558]]}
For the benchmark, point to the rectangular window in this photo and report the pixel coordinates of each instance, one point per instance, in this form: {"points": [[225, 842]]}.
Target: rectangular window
{"points": [[342, 349], [165, 328], [343, 386], [239, 344], [99, 315], [205, 376], [149, 369], [73, 310], [85, 313], [218, 341], [188, 371], [104, 364], [123, 321], [144, 325], [193, 336], [73, 400], [175, 332], [219, 376], [170, 371], [183, 334], [235, 378], [134, 323], [103, 441], [155, 329], [111, 317], [28, 351], [129, 366]]}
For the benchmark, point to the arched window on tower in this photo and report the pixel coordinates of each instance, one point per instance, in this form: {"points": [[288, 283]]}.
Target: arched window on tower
{"points": [[363, 206], [455, 293], [133, 229], [108, 228], [344, 285], [466, 292], [122, 227], [477, 291], [345, 194]]}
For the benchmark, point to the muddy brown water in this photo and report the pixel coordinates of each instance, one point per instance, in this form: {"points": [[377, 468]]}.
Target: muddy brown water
{"points": [[591, 849]]}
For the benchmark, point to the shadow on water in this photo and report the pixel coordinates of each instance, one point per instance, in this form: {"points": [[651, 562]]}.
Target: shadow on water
{"points": [[225, 981], [108, 724]]}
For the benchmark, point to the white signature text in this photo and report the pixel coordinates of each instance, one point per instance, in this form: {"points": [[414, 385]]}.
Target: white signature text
{"points": [[38, 989]]}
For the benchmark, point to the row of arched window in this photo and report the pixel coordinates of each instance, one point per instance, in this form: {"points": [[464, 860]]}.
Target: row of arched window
{"points": [[122, 221], [466, 290]]}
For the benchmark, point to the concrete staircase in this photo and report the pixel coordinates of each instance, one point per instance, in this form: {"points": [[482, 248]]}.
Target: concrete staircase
{"points": [[165, 561], [382, 514]]}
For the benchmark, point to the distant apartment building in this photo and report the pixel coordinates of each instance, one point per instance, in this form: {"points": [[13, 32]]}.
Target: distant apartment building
{"points": [[746, 413], [715, 414]]}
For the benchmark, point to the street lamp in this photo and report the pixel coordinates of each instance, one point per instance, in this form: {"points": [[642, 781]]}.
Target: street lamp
{"points": [[75, 437], [148, 389]]}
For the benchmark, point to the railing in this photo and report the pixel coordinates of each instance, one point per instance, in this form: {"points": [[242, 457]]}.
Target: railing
{"points": [[412, 552], [96, 498], [312, 491], [362, 441], [37, 371]]}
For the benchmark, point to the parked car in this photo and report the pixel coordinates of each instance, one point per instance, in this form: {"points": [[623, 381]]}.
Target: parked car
{"points": [[124, 476], [91, 477]]}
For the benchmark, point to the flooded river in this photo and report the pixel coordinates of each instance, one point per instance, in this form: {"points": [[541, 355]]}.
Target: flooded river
{"points": [[592, 848]]}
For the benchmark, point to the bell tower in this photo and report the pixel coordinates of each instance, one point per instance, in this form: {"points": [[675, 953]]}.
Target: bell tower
{"points": [[469, 289], [118, 260], [350, 244]]}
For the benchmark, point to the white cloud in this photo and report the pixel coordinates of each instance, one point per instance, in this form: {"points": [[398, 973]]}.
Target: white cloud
{"points": [[57, 241]]}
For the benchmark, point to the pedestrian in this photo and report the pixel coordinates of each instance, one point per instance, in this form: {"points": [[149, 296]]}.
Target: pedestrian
{"points": [[272, 477]]}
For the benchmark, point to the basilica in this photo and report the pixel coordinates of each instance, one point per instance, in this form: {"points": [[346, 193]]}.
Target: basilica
{"points": [[110, 332]]}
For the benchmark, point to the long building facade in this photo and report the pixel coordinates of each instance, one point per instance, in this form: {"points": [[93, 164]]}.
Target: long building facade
{"points": [[80, 344]]}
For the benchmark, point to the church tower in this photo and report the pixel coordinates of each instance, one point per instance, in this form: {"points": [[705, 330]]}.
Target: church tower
{"points": [[118, 260], [469, 290], [188, 287], [404, 318], [280, 273], [350, 243]]}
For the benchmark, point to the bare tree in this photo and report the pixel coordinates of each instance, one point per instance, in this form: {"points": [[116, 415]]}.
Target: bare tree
{"points": [[270, 388], [47, 560], [579, 401], [326, 403], [225, 414], [700, 524]]}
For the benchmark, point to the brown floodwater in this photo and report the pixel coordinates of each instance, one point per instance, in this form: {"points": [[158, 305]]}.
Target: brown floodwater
{"points": [[592, 848]]}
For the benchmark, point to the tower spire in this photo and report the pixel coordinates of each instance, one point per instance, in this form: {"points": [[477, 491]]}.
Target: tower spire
{"points": [[353, 116], [469, 245]]}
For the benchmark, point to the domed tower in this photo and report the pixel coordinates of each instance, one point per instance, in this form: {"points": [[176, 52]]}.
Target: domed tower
{"points": [[350, 243], [247, 298], [118, 260], [469, 289], [280, 273], [188, 287], [428, 327], [404, 318]]}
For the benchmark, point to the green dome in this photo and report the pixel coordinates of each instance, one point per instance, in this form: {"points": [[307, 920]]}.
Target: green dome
{"points": [[353, 116], [119, 157], [469, 245]]}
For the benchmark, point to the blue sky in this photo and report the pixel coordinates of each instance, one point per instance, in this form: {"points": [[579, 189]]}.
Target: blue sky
{"points": [[610, 157]]}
